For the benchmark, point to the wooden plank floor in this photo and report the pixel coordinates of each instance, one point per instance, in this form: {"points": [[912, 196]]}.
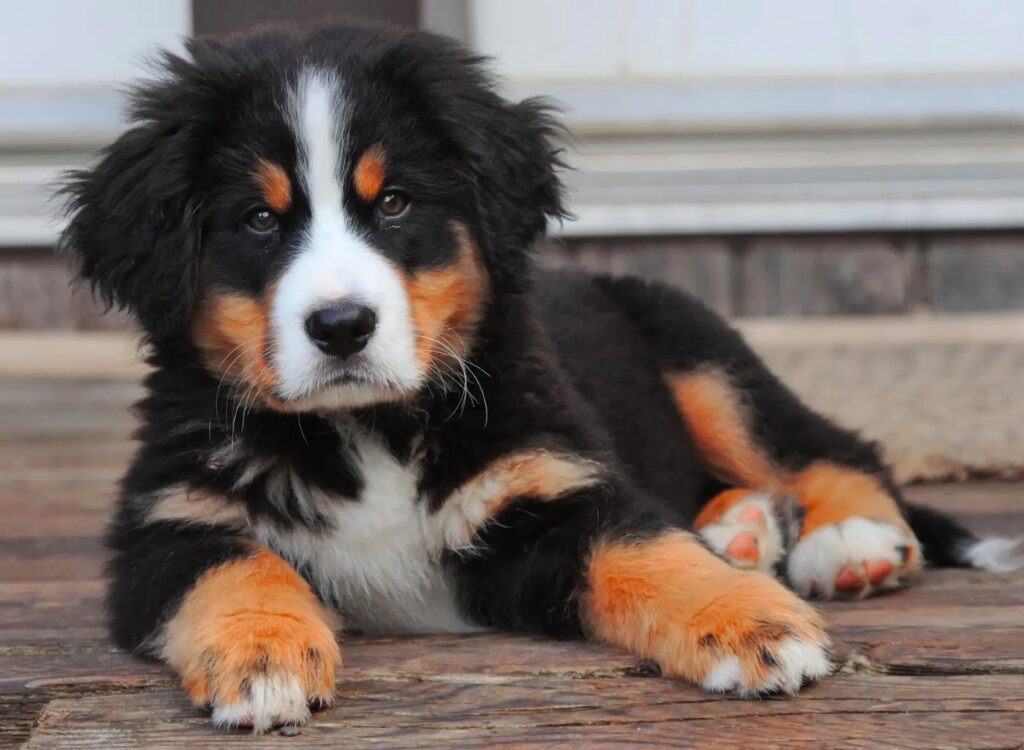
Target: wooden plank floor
{"points": [[940, 665]]}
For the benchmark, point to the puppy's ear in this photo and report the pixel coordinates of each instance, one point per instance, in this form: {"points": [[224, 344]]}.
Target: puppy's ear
{"points": [[132, 230], [510, 150], [517, 178]]}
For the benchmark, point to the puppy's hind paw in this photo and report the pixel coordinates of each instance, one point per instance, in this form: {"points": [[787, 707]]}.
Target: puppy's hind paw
{"points": [[855, 558], [746, 533]]}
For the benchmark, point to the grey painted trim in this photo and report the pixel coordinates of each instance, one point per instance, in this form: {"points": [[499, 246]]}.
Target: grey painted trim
{"points": [[797, 182], [753, 217], [44, 118], [29, 214], [764, 170], [729, 105]]}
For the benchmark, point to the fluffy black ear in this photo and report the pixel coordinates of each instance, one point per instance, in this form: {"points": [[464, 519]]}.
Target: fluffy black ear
{"points": [[517, 175], [510, 149], [132, 230]]}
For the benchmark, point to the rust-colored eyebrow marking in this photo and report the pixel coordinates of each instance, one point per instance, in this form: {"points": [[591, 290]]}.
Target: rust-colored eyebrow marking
{"points": [[368, 176], [277, 188]]}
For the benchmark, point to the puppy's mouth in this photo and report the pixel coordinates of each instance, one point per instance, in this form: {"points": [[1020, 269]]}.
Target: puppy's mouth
{"points": [[354, 382], [345, 375]]}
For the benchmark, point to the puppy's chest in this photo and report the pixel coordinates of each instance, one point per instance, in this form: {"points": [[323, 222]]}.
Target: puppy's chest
{"points": [[380, 562]]}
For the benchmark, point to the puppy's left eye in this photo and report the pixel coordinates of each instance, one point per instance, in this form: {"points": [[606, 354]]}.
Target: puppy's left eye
{"points": [[262, 220], [392, 203]]}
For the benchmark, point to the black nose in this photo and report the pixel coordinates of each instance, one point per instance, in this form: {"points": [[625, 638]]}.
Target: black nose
{"points": [[343, 329]]}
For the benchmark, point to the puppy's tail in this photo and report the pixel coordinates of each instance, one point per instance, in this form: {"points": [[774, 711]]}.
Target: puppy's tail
{"points": [[948, 544]]}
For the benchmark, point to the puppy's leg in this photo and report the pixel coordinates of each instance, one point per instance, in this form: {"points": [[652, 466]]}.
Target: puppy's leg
{"points": [[244, 631], [669, 599], [850, 537], [251, 640], [752, 432], [599, 560]]}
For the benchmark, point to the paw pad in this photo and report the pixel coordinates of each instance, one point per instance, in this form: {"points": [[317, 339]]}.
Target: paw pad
{"points": [[747, 534], [856, 557], [744, 546], [877, 570]]}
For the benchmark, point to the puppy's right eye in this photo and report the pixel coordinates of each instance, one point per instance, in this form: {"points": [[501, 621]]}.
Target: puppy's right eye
{"points": [[392, 204], [262, 220]]}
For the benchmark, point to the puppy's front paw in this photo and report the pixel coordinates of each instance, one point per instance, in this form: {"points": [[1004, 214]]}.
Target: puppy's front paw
{"points": [[262, 670], [252, 642], [729, 630], [758, 638]]}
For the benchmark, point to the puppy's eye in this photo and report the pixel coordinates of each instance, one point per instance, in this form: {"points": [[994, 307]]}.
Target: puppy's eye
{"points": [[392, 204], [262, 220]]}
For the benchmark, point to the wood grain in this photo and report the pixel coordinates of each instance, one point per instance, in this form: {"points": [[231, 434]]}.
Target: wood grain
{"points": [[861, 710], [828, 276], [702, 267], [971, 273], [938, 665]]}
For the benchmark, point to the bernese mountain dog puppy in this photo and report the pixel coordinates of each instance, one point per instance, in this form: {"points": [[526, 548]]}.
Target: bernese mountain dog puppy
{"points": [[366, 409]]}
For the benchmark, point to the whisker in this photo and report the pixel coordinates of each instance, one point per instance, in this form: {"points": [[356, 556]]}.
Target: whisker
{"points": [[465, 374]]}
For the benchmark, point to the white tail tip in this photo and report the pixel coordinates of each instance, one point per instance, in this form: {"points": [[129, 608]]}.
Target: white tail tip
{"points": [[996, 554]]}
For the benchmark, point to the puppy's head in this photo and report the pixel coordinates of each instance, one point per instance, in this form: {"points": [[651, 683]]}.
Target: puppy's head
{"points": [[324, 218]]}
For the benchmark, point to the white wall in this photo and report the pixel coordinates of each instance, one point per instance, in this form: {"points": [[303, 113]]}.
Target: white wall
{"points": [[630, 39], [701, 116], [788, 115], [63, 64], [83, 43]]}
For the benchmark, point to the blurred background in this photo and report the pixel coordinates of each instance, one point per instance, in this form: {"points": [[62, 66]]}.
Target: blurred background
{"points": [[844, 178]]}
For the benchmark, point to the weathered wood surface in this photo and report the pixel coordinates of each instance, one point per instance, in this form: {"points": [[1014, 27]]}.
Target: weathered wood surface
{"points": [[829, 276], [36, 293], [985, 274], [769, 275], [703, 267], [939, 665]]}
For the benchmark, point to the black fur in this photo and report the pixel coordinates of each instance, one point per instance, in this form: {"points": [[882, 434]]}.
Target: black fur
{"points": [[944, 541], [153, 567], [791, 434], [571, 364]]}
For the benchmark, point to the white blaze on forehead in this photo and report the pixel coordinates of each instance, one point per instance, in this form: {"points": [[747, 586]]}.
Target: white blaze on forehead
{"points": [[321, 137], [333, 263]]}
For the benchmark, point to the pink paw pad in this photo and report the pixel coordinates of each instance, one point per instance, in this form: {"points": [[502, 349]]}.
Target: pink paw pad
{"points": [[874, 572], [744, 546], [848, 580], [878, 570], [747, 533], [857, 557], [752, 514]]}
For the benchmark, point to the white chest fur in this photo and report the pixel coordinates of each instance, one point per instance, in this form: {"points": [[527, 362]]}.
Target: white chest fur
{"points": [[381, 560]]}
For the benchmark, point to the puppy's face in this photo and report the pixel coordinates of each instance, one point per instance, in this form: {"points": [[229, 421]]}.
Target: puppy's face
{"points": [[338, 267], [328, 217]]}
